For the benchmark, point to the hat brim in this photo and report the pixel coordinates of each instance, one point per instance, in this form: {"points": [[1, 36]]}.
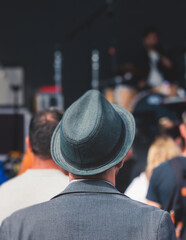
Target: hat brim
{"points": [[129, 123]]}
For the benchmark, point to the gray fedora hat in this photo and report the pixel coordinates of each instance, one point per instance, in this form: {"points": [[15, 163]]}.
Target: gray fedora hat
{"points": [[92, 136]]}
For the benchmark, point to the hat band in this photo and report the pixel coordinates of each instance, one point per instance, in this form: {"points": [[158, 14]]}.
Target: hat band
{"points": [[103, 161]]}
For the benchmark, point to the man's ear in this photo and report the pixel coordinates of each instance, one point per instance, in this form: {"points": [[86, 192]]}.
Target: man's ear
{"points": [[27, 140], [120, 164]]}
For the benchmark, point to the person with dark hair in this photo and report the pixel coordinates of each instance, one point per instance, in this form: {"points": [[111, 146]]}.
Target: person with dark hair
{"points": [[91, 143], [41, 129], [45, 179]]}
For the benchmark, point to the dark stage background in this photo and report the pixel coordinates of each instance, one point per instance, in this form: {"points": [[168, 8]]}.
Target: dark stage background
{"points": [[29, 33]]}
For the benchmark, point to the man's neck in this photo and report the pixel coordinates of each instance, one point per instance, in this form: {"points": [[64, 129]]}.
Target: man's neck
{"points": [[39, 163], [108, 176]]}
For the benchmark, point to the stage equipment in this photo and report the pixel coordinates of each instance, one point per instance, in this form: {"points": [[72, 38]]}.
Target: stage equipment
{"points": [[11, 86], [14, 124], [95, 69], [48, 96], [58, 68], [58, 60], [124, 96]]}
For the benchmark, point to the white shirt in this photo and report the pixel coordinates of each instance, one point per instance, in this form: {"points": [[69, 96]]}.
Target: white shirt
{"points": [[32, 187], [137, 190], [155, 78], [90, 179]]}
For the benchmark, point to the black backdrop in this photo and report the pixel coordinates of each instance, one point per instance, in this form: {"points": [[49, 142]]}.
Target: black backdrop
{"points": [[29, 33]]}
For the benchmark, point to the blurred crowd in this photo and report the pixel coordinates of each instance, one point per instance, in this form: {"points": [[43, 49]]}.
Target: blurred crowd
{"points": [[89, 144], [146, 175]]}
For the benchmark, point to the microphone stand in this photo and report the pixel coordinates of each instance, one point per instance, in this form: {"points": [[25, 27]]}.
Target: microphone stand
{"points": [[15, 88]]}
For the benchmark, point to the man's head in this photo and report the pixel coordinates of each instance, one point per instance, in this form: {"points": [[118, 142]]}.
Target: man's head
{"points": [[150, 38], [42, 126], [93, 136]]}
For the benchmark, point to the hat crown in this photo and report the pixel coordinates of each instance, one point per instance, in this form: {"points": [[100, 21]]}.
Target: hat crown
{"points": [[82, 118], [90, 131]]}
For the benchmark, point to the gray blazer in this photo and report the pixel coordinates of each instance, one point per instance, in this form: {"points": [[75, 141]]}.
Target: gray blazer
{"points": [[89, 209]]}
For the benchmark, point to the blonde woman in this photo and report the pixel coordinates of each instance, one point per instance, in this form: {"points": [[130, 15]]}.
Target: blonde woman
{"points": [[161, 150]]}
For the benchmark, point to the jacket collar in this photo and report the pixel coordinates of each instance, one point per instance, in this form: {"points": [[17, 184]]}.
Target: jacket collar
{"points": [[90, 186]]}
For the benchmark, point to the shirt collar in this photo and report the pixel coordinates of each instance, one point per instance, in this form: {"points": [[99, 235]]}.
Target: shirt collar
{"points": [[88, 179]]}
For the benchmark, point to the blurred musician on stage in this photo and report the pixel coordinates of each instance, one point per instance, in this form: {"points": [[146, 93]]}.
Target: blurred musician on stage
{"points": [[153, 63]]}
